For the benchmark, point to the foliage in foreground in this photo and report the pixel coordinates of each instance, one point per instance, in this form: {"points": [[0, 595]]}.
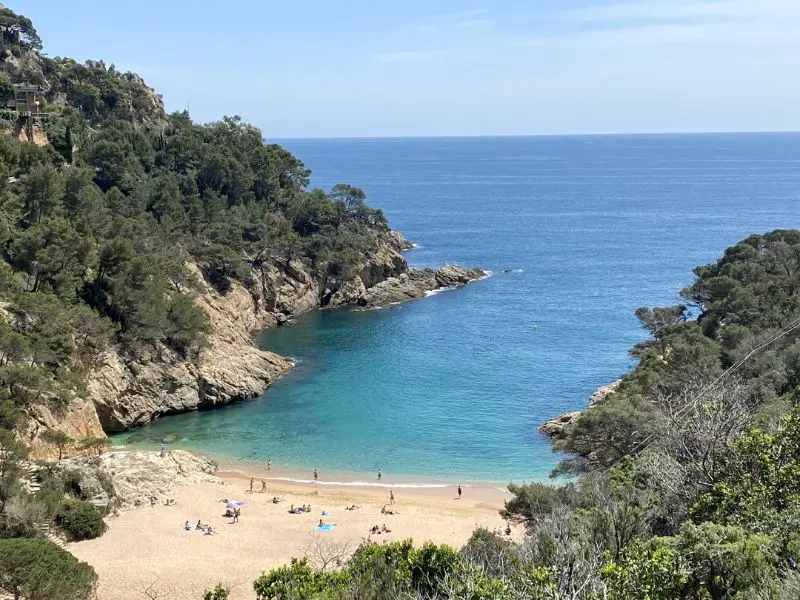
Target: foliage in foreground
{"points": [[40, 570]]}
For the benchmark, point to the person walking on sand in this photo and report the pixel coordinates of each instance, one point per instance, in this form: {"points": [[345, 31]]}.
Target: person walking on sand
{"points": [[263, 487], [459, 492], [391, 497], [236, 513], [252, 480], [316, 475]]}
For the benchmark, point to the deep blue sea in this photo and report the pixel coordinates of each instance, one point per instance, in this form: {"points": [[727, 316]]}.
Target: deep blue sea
{"points": [[578, 232]]}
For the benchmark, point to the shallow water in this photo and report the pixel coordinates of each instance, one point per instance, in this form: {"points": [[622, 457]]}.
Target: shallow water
{"points": [[578, 232]]}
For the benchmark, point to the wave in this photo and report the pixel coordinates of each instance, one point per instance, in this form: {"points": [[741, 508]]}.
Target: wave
{"points": [[440, 290], [365, 483], [416, 247]]}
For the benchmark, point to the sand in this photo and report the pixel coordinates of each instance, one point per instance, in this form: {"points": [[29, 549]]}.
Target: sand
{"points": [[148, 547]]}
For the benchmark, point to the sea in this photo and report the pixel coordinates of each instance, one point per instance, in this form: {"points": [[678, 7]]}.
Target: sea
{"points": [[577, 232]]}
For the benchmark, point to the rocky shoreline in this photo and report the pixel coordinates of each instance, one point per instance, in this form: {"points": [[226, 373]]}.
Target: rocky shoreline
{"points": [[124, 392], [555, 427], [416, 283]]}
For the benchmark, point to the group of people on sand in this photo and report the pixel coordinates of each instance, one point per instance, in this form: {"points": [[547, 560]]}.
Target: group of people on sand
{"points": [[206, 529], [299, 510], [379, 530]]}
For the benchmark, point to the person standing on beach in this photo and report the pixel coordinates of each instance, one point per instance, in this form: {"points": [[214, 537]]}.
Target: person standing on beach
{"points": [[316, 476], [391, 497], [379, 474], [252, 480], [269, 465], [459, 492], [263, 487]]}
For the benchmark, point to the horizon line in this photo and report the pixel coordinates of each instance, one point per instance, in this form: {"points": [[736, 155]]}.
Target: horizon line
{"points": [[531, 135]]}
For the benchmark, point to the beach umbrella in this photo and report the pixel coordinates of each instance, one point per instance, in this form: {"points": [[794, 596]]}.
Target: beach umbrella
{"points": [[235, 504]]}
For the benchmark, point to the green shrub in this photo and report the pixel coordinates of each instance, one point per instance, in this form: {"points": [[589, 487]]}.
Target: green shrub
{"points": [[51, 499], [80, 520]]}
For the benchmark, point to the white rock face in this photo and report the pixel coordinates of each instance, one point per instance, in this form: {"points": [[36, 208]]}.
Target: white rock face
{"points": [[126, 479]]}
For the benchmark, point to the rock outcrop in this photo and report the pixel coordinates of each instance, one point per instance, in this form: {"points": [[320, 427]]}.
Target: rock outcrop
{"points": [[415, 283], [555, 427], [230, 368], [125, 479]]}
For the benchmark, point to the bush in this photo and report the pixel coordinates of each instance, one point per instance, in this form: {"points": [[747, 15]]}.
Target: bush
{"points": [[80, 520], [494, 555], [38, 569], [51, 498], [21, 515]]}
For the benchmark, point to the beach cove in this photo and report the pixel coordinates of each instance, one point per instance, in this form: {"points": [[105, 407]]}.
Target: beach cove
{"points": [[148, 546]]}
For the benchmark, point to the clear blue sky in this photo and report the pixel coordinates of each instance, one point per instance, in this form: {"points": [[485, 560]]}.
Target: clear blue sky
{"points": [[320, 68]]}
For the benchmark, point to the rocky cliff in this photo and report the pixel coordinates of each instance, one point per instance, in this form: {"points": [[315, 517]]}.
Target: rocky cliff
{"points": [[124, 392]]}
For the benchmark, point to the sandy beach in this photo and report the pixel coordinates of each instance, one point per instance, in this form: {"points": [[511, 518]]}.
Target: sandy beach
{"points": [[148, 546]]}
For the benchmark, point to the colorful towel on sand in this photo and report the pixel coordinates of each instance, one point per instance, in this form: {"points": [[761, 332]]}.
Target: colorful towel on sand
{"points": [[326, 527]]}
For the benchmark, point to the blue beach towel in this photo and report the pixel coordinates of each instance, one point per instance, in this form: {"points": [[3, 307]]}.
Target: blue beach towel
{"points": [[326, 527]]}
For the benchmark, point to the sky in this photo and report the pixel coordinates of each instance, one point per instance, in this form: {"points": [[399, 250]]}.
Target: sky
{"points": [[361, 68]]}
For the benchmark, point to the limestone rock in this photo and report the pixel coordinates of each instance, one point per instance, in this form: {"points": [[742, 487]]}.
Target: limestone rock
{"points": [[555, 427], [416, 283], [603, 393], [130, 478], [229, 369], [77, 418]]}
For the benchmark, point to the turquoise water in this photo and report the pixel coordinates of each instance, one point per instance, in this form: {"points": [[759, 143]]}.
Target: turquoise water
{"points": [[454, 386]]}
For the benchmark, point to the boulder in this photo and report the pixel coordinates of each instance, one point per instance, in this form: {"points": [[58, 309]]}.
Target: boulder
{"points": [[555, 427]]}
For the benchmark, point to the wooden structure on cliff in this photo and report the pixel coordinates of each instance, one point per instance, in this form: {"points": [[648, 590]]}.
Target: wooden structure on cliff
{"points": [[27, 103]]}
